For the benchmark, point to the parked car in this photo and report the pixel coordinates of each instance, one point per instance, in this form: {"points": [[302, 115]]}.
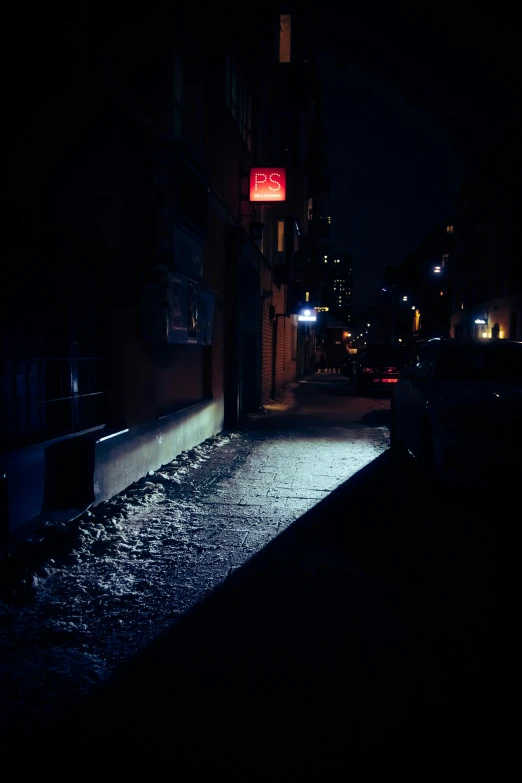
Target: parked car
{"points": [[377, 367], [458, 410]]}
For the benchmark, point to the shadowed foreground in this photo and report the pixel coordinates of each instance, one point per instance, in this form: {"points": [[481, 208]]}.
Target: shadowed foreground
{"points": [[364, 636]]}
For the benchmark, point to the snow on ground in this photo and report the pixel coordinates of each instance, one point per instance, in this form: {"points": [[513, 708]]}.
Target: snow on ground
{"points": [[124, 571], [113, 590]]}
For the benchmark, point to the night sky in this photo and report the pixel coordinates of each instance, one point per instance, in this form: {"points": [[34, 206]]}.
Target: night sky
{"points": [[411, 98]]}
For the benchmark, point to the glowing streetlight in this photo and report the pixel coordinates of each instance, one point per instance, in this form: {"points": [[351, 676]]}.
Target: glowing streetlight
{"points": [[404, 298], [437, 270]]}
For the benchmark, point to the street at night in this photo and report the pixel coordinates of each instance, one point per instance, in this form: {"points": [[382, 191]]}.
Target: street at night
{"points": [[339, 611], [261, 391]]}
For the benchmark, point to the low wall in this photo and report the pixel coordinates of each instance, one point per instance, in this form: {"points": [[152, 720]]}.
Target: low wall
{"points": [[123, 458], [86, 468]]}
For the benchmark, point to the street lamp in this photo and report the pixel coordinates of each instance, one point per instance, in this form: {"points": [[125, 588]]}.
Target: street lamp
{"points": [[404, 298], [437, 270]]}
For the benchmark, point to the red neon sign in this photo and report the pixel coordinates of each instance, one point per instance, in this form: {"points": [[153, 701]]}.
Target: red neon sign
{"points": [[267, 184]]}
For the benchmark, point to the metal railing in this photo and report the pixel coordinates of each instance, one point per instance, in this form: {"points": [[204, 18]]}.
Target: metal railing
{"points": [[45, 398]]}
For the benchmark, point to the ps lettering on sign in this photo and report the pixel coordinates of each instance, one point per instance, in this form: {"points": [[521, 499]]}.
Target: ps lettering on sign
{"points": [[267, 184]]}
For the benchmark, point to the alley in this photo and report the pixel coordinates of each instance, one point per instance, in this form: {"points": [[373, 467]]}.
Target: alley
{"points": [[357, 622]]}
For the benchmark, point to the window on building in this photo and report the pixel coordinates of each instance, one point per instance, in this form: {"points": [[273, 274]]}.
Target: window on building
{"points": [[231, 86], [450, 229], [307, 296], [239, 101], [310, 209], [285, 38], [249, 124], [178, 95], [280, 236]]}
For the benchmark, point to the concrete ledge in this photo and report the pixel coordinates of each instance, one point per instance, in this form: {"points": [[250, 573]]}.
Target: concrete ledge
{"points": [[88, 467], [123, 458]]}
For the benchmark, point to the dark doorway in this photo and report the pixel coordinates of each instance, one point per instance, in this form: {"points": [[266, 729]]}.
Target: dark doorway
{"points": [[250, 399]]}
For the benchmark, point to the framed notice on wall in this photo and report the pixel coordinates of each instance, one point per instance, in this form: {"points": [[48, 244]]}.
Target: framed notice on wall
{"points": [[176, 309]]}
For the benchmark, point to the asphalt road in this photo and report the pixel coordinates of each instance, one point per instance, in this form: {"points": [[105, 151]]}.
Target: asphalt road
{"points": [[375, 632]]}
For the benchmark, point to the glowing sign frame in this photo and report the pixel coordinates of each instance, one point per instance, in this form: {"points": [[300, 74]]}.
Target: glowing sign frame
{"points": [[267, 184]]}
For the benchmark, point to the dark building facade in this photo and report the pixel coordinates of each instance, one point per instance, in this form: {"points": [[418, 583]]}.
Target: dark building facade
{"points": [[415, 298], [487, 272], [145, 309]]}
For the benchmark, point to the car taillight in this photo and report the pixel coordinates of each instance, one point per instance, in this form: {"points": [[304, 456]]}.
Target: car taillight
{"points": [[366, 369]]}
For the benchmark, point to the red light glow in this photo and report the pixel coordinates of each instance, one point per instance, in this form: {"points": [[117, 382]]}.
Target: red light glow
{"points": [[267, 184]]}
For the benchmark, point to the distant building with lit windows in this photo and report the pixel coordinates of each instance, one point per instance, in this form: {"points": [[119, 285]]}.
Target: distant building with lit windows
{"points": [[337, 289]]}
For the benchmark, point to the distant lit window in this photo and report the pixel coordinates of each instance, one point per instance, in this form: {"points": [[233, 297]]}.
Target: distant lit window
{"points": [[310, 208], [307, 296], [285, 38], [450, 229], [280, 236], [442, 293]]}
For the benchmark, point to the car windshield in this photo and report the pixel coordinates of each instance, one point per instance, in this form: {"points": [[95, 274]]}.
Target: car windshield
{"points": [[483, 362], [384, 354]]}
